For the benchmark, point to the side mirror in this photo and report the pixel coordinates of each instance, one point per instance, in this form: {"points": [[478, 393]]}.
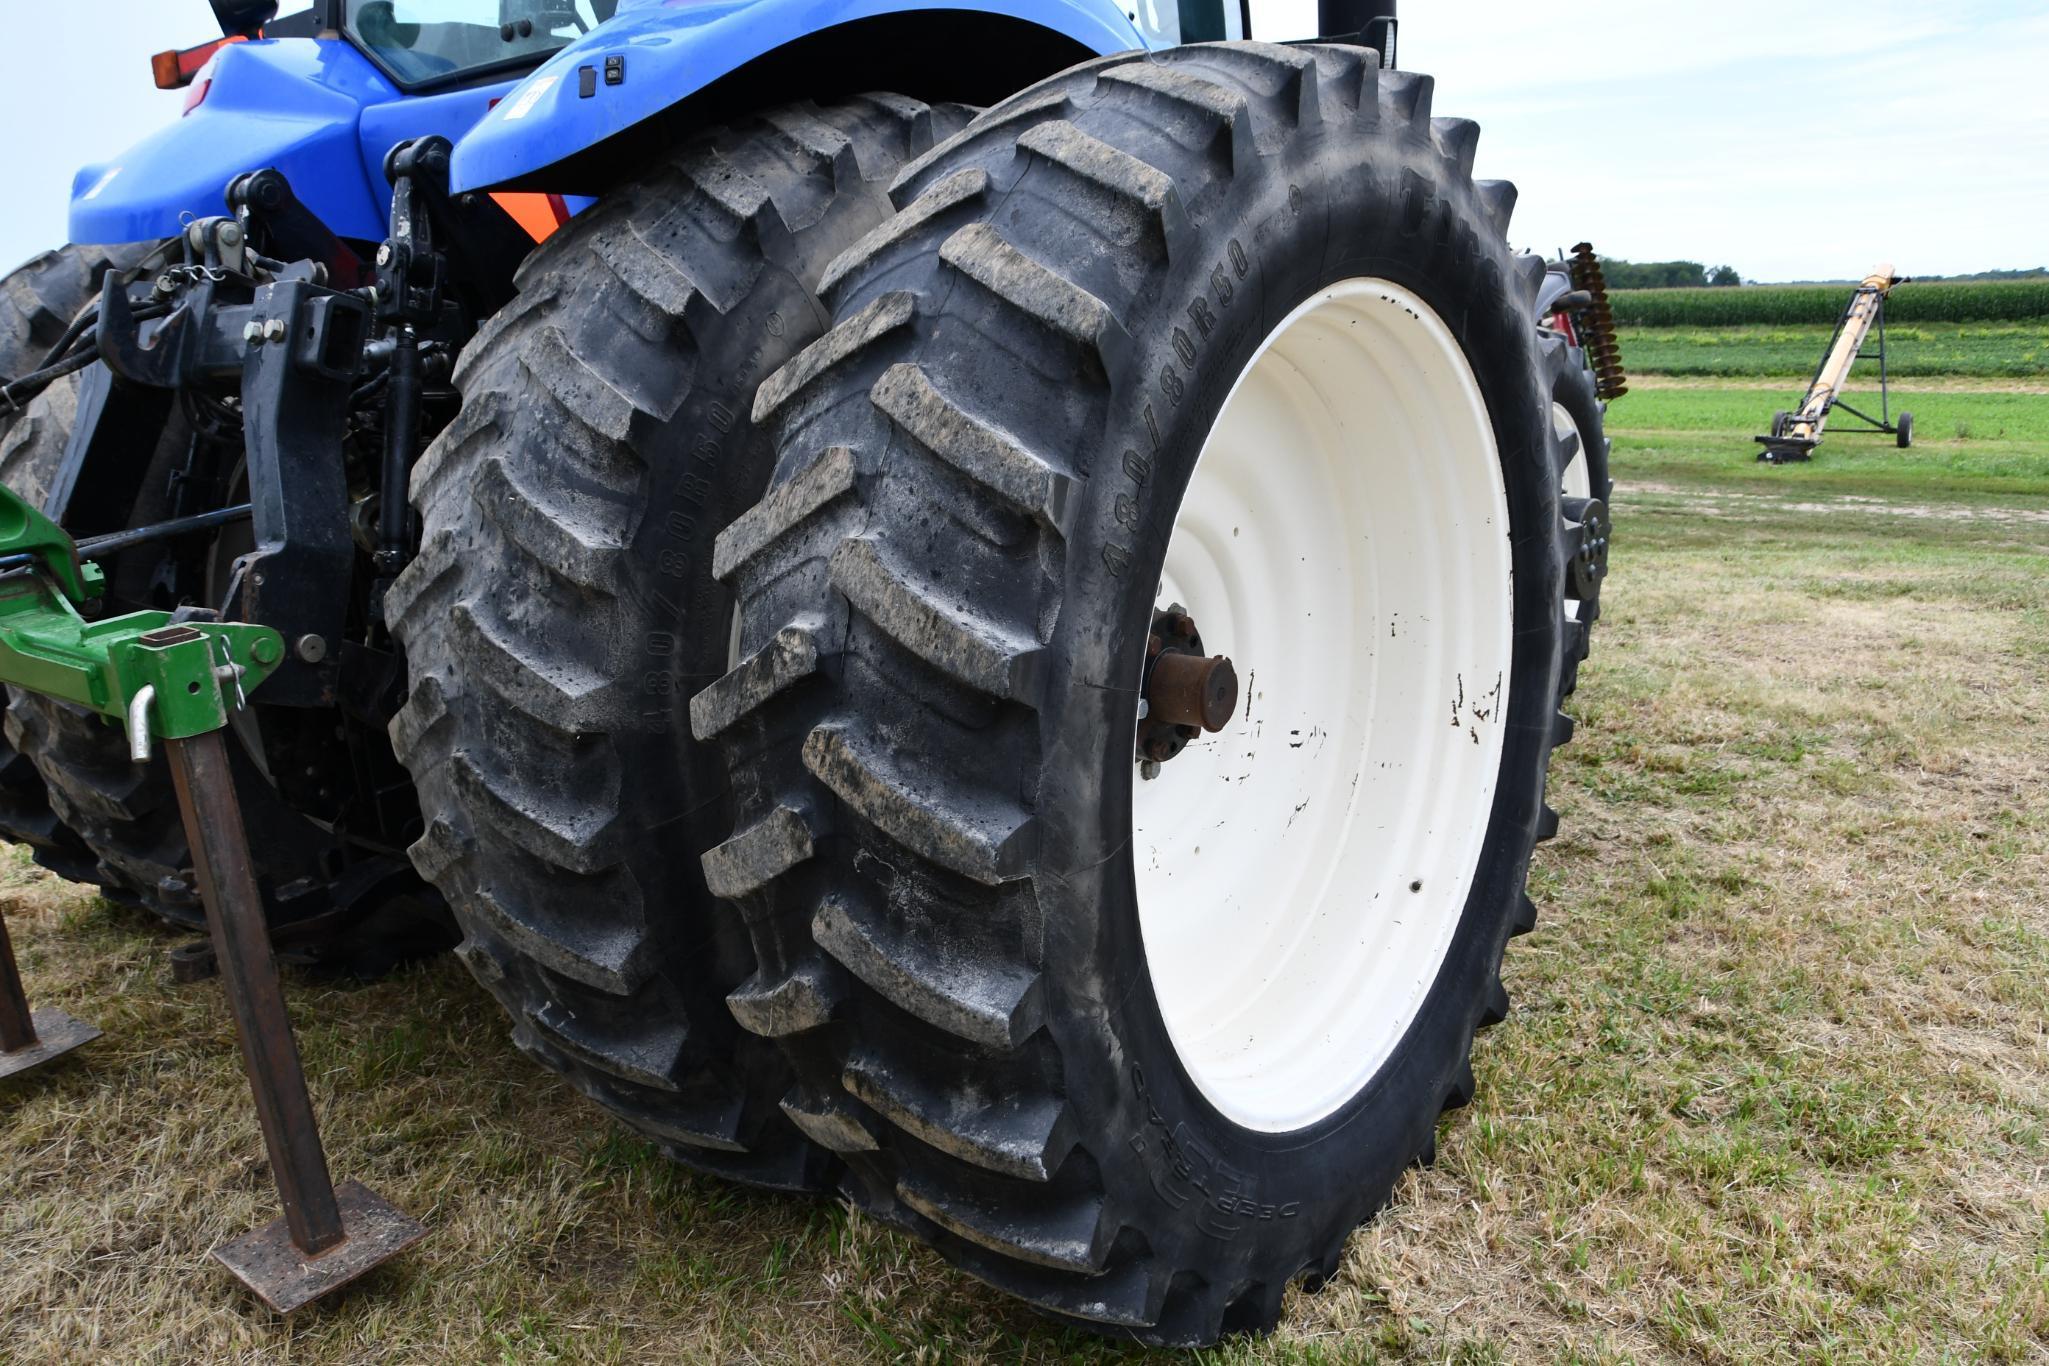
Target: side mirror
{"points": [[244, 18]]}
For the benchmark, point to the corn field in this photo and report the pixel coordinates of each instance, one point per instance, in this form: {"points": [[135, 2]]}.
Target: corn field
{"points": [[1990, 301]]}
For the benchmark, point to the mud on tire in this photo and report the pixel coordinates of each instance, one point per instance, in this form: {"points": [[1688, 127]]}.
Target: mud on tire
{"points": [[562, 612], [945, 595]]}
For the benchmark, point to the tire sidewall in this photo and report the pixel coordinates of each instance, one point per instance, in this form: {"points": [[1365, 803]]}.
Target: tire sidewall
{"points": [[1380, 205]]}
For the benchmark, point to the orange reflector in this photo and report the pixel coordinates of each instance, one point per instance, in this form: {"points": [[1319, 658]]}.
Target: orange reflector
{"points": [[539, 214], [175, 69]]}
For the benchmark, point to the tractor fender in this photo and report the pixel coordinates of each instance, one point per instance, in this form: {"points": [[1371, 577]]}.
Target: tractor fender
{"points": [[614, 86]]}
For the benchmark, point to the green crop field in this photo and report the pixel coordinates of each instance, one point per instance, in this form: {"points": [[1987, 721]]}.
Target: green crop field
{"points": [[1794, 305], [1986, 350]]}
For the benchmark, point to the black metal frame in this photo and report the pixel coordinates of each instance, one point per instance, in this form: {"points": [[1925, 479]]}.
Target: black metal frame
{"points": [[1371, 23], [1883, 423], [340, 369], [291, 352], [1781, 449]]}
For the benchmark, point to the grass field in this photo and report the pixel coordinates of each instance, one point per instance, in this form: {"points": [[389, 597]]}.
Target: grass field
{"points": [[1977, 349], [1775, 1087], [1985, 445]]}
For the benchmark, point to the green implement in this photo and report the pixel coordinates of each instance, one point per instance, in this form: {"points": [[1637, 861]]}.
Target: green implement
{"points": [[173, 678], [159, 677]]}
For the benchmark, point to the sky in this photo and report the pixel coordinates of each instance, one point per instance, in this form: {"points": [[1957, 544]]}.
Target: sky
{"points": [[1793, 139]]}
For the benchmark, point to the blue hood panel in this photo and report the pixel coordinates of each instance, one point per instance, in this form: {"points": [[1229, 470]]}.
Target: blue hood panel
{"points": [[292, 103], [314, 108], [317, 110], [673, 48]]}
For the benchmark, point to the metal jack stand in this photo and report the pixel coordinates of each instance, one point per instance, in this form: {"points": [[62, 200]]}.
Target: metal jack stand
{"points": [[327, 1237], [173, 681], [31, 1038]]}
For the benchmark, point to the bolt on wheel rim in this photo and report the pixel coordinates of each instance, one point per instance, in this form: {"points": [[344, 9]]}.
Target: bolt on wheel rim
{"points": [[1344, 540]]}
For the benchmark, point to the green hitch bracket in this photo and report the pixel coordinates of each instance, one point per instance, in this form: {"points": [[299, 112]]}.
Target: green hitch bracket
{"points": [[157, 677]]}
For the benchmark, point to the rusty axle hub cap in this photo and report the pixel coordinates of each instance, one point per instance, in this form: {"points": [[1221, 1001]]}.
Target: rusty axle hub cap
{"points": [[1185, 691]]}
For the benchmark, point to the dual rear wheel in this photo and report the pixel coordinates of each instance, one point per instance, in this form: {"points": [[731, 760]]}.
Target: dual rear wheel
{"points": [[1225, 338]]}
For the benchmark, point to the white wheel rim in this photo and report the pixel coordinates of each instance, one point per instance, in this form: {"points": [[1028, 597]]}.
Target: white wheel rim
{"points": [[1576, 482], [1344, 538]]}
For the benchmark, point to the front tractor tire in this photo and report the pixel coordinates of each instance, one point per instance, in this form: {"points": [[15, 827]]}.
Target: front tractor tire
{"points": [[1580, 420], [562, 611], [1218, 344]]}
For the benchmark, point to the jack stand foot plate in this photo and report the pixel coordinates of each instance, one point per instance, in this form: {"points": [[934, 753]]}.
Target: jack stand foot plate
{"points": [[56, 1035], [283, 1277]]}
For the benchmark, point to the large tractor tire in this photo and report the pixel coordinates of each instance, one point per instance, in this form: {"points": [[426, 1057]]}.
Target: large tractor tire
{"points": [[562, 611], [1221, 342], [37, 303], [1580, 419]]}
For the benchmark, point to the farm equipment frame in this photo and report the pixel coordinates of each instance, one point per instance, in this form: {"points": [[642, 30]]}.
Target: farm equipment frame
{"points": [[1795, 434]]}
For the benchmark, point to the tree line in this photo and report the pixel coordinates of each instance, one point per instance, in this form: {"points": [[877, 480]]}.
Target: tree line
{"points": [[1665, 274]]}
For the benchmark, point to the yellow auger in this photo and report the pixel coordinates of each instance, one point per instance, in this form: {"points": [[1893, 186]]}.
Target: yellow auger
{"points": [[1795, 434]]}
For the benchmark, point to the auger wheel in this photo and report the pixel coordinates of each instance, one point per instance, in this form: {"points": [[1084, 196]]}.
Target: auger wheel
{"points": [[1225, 333]]}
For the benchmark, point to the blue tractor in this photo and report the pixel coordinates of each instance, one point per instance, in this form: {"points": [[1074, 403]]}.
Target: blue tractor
{"points": [[964, 606]]}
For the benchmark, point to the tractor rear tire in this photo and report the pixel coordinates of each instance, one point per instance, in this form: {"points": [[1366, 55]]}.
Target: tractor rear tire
{"points": [[1581, 419], [947, 597], [37, 303], [562, 611]]}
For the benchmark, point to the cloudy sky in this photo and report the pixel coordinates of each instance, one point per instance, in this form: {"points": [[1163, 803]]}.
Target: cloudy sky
{"points": [[1793, 139]]}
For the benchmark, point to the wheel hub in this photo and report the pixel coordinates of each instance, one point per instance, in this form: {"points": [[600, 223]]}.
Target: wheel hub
{"points": [[1185, 692], [1589, 516]]}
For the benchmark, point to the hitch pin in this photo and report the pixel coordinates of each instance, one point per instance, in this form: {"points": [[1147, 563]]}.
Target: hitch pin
{"points": [[231, 672], [138, 722], [139, 705]]}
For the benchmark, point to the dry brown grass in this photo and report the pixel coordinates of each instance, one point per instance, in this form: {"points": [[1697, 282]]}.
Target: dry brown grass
{"points": [[1776, 1084]]}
